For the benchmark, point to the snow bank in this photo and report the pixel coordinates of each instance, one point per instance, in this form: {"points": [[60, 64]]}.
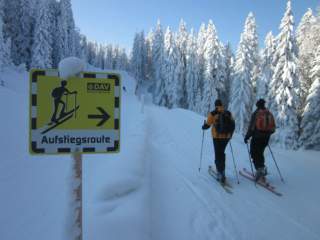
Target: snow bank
{"points": [[15, 79], [34, 191]]}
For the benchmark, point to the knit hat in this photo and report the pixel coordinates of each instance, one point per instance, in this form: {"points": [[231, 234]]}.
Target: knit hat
{"points": [[260, 103], [218, 102]]}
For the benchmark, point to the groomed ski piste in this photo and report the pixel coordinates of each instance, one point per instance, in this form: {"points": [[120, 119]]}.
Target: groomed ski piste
{"points": [[152, 189]]}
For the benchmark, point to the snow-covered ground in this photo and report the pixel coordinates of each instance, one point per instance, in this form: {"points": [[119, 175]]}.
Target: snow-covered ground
{"points": [[152, 189]]}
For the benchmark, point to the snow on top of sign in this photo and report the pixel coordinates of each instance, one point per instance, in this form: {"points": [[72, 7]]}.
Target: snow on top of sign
{"points": [[70, 66]]}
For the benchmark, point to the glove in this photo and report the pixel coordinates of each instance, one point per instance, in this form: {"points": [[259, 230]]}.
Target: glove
{"points": [[246, 140], [205, 126]]}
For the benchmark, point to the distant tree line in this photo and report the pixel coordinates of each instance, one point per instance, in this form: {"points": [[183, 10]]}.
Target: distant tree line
{"points": [[39, 33]]}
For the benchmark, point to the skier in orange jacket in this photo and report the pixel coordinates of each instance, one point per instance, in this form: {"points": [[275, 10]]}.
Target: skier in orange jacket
{"points": [[222, 130]]}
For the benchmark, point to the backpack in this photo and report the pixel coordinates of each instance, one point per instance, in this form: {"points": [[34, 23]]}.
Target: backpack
{"points": [[55, 92], [265, 121], [224, 123]]}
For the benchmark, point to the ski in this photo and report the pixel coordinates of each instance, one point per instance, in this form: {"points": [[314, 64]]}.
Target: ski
{"points": [[245, 173], [57, 124], [226, 186], [265, 182]]}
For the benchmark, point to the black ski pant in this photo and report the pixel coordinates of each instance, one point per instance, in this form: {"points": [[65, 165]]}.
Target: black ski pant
{"points": [[257, 147], [220, 157]]}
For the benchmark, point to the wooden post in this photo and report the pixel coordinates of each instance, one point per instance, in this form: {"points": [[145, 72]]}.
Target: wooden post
{"points": [[77, 157]]}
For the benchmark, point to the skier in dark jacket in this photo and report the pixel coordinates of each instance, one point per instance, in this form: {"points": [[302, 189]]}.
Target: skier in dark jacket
{"points": [[261, 127], [220, 136]]}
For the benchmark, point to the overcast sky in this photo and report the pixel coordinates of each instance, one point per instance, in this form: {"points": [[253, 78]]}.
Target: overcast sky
{"points": [[116, 21]]}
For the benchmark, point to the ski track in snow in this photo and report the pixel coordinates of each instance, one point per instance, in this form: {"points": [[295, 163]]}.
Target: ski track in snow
{"points": [[215, 215]]}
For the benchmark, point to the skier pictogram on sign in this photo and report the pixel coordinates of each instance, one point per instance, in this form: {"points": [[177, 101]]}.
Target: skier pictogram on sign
{"points": [[57, 95]]}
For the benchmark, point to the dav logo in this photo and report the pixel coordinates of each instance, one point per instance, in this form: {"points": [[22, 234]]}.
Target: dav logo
{"points": [[98, 87]]}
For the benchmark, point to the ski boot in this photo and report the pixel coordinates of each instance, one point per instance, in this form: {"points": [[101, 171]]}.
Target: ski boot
{"points": [[261, 174], [221, 177]]}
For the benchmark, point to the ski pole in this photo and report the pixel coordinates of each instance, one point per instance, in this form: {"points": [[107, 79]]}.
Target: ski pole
{"points": [[234, 163], [250, 160], [67, 102], [75, 105], [201, 148], [276, 163], [255, 183]]}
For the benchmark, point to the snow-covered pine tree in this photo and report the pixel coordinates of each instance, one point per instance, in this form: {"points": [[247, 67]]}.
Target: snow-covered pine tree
{"points": [[212, 81], [66, 28], [201, 40], [228, 62], [180, 96], [285, 84], [10, 27], [266, 67], [91, 53], [100, 57], [84, 48], [54, 12], [171, 61], [306, 54], [135, 58], [1, 10], [314, 34], [108, 60], [199, 102], [143, 56], [123, 60], [222, 72], [253, 44], [149, 43], [61, 36], [95, 53], [158, 66], [5, 57], [23, 37], [42, 43], [192, 71], [115, 57], [310, 137], [77, 40], [242, 90], [139, 59], [304, 27]]}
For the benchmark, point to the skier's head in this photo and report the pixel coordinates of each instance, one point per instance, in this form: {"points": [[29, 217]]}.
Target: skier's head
{"points": [[218, 103], [63, 83], [261, 103]]}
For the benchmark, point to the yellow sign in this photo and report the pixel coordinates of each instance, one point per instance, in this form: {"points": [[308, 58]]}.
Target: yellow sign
{"points": [[78, 114]]}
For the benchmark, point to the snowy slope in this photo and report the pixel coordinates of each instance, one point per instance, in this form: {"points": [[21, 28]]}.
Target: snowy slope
{"points": [[196, 203], [34, 190], [152, 189]]}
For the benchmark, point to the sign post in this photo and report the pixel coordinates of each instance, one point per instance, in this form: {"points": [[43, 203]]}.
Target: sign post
{"points": [[74, 116], [77, 157]]}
